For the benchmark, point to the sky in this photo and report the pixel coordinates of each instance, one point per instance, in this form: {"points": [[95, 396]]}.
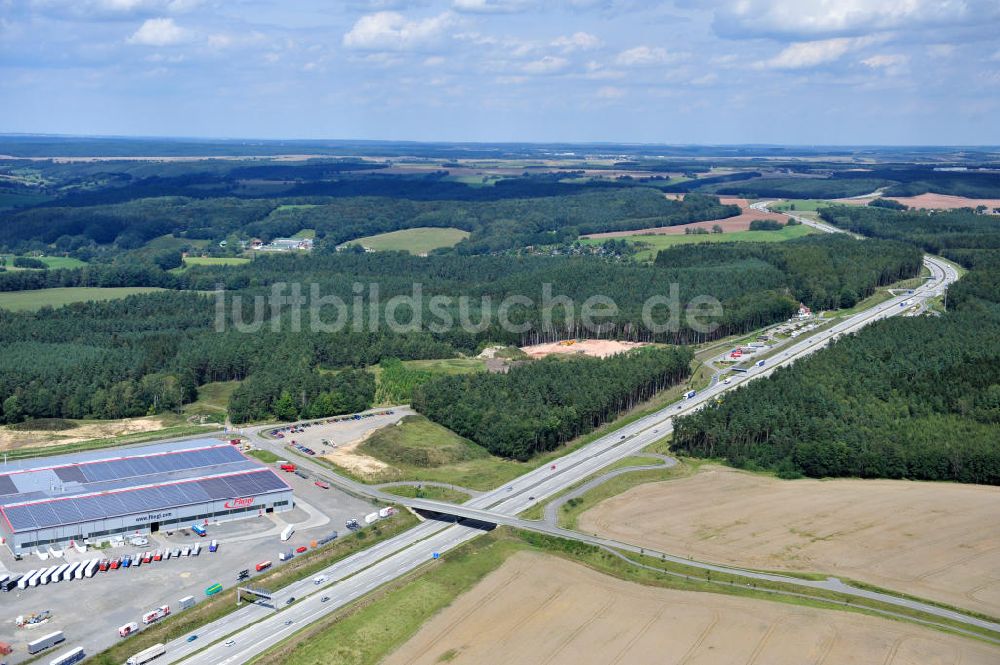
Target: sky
{"points": [[808, 72]]}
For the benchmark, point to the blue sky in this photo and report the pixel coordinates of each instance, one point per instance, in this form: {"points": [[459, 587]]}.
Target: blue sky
{"points": [[681, 71]]}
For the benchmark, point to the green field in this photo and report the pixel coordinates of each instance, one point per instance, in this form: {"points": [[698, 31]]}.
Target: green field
{"points": [[305, 233], [415, 241], [170, 242], [54, 262], [214, 261], [811, 205], [213, 401], [31, 301], [448, 365], [657, 242]]}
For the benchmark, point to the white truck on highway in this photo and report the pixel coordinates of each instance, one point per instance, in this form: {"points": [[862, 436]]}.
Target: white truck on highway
{"points": [[147, 655]]}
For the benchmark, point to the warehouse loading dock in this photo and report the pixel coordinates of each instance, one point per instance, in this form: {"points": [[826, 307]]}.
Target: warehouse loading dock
{"points": [[96, 496]]}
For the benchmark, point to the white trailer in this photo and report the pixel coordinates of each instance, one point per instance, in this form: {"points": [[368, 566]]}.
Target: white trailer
{"points": [[70, 571], [80, 570], [371, 518], [92, 567], [287, 532], [57, 575], [186, 602], [147, 655], [23, 582], [47, 575]]}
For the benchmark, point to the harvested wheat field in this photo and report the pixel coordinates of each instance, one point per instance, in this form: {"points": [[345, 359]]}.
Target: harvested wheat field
{"points": [[740, 222], [598, 348], [541, 609], [930, 201], [934, 540]]}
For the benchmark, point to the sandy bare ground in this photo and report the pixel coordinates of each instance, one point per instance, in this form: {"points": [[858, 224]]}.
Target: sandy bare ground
{"points": [[930, 201], [598, 348], [346, 436], [10, 439], [934, 540], [740, 222], [541, 609]]}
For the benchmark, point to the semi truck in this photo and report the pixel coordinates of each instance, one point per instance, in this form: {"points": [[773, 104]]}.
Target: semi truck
{"points": [[70, 657], [689, 394], [128, 629], [760, 363], [156, 615], [263, 565], [213, 546], [147, 655], [46, 641]]}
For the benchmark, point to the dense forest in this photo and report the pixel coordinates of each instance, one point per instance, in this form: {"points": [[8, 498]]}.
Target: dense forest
{"points": [[148, 353], [911, 398], [538, 406]]}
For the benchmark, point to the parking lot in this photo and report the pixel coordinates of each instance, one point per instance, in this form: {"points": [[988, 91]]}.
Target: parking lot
{"points": [[89, 611]]}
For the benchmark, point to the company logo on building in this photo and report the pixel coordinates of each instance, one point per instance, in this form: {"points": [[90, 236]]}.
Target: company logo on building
{"points": [[239, 503]]}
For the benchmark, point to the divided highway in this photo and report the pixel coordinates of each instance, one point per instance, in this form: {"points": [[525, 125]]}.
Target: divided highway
{"points": [[255, 628]]}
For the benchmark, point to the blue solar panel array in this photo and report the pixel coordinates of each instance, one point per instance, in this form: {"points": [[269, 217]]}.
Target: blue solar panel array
{"points": [[150, 499], [96, 472]]}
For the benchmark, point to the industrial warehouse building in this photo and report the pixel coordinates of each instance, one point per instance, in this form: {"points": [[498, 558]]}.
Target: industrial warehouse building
{"points": [[98, 495]]}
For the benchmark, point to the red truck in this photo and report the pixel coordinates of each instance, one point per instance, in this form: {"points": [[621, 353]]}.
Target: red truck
{"points": [[287, 467], [263, 565]]}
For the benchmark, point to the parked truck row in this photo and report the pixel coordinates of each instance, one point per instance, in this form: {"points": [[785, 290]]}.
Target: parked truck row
{"points": [[77, 571]]}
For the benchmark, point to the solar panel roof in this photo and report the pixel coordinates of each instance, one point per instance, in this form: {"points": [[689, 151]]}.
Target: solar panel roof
{"points": [[61, 511], [72, 488]]}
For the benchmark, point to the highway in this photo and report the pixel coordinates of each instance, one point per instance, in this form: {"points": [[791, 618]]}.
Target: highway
{"points": [[255, 628]]}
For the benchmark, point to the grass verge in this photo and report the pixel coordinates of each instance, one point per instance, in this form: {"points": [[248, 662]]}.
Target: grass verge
{"points": [[219, 606], [428, 492]]}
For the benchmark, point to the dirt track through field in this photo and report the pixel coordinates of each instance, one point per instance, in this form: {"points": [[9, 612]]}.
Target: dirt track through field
{"points": [[934, 540], [538, 609]]}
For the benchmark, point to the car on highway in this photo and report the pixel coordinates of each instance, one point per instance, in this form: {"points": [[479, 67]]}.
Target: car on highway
{"points": [[230, 643], [290, 600], [192, 638], [322, 485], [324, 599], [289, 622]]}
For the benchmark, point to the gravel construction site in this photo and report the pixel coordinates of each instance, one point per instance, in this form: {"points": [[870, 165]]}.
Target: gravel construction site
{"points": [[939, 541], [542, 609], [597, 348], [89, 611]]}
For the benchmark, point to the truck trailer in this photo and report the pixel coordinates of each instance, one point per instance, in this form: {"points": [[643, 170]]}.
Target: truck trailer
{"points": [[46, 641], [147, 655]]}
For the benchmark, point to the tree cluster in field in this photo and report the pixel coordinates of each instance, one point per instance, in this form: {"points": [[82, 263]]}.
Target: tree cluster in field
{"points": [[766, 225], [540, 405], [911, 398]]}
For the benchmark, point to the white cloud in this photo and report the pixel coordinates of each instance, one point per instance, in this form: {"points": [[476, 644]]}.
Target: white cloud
{"points": [[815, 18], [158, 32], [883, 61], [550, 64], [578, 40], [610, 92], [644, 56], [391, 31], [491, 6], [802, 55], [890, 63]]}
